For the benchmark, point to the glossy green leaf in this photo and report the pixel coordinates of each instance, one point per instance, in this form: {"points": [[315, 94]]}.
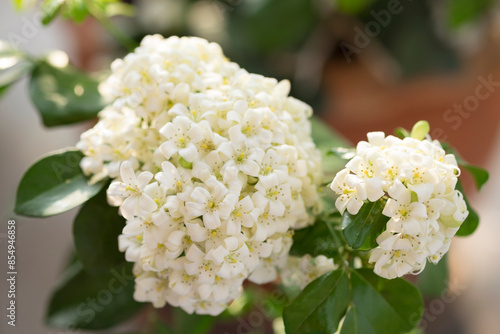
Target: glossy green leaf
{"points": [[89, 302], [316, 239], [64, 95], [95, 231], [380, 305], [320, 306], [361, 230], [472, 221], [433, 281], [50, 9], [53, 185]]}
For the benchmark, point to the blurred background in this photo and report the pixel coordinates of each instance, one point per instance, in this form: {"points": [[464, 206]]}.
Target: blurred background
{"points": [[363, 65]]}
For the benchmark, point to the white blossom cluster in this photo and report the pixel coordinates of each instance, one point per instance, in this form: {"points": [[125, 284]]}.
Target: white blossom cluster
{"points": [[212, 166], [425, 210], [300, 271]]}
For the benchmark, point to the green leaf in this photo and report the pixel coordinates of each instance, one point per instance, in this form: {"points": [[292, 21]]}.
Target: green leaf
{"points": [[433, 281], [64, 95], [95, 231], [7, 50], [13, 74], [76, 10], [461, 12], [361, 230], [380, 305], [316, 239], [13, 65], [472, 221], [93, 302], [401, 133], [320, 306], [53, 185], [479, 174], [50, 9], [353, 6]]}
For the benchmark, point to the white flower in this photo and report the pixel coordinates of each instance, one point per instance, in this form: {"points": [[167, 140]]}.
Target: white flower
{"points": [[212, 167], [132, 189], [352, 191], [213, 205], [417, 181], [182, 135]]}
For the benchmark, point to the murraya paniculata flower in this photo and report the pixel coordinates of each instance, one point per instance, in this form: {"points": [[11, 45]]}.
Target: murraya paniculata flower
{"points": [[417, 179], [212, 167]]}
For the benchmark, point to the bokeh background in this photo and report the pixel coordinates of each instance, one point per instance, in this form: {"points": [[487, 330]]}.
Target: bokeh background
{"points": [[363, 65]]}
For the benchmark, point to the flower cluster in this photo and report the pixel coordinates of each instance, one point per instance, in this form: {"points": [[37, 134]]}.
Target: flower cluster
{"points": [[212, 168], [425, 210], [300, 271]]}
